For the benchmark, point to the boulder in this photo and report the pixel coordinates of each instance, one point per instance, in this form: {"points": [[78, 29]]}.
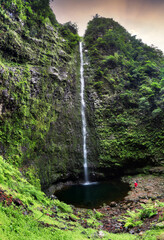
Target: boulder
{"points": [[113, 204]]}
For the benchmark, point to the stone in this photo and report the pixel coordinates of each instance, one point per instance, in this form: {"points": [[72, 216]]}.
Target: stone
{"points": [[143, 201], [113, 204], [1, 107], [160, 225], [5, 93], [25, 213], [101, 234], [53, 197]]}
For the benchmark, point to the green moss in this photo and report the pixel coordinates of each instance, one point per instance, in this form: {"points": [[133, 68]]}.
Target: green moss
{"points": [[39, 217], [40, 67], [124, 96]]}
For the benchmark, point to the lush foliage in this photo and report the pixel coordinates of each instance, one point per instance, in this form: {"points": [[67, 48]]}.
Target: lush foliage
{"points": [[70, 32], [125, 92], [38, 66], [30, 11], [135, 218], [26, 213]]}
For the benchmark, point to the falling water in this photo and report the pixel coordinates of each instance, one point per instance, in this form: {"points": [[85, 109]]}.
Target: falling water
{"points": [[84, 131]]}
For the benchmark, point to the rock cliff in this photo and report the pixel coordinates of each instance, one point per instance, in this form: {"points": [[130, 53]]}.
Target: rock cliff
{"points": [[40, 94], [124, 89]]}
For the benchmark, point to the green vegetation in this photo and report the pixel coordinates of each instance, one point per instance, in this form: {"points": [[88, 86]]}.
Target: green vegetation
{"points": [[26, 213], [40, 115], [30, 11], [39, 106], [69, 31], [125, 96], [135, 218]]}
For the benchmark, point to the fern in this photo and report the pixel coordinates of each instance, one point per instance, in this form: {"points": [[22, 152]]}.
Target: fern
{"points": [[134, 218], [148, 211]]}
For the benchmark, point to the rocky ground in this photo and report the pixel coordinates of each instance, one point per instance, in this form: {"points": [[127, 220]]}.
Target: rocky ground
{"points": [[149, 189]]}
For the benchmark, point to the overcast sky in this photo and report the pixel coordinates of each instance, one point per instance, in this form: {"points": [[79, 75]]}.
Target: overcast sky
{"points": [[144, 18]]}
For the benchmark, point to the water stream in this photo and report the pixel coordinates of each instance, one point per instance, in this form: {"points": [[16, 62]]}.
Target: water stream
{"points": [[84, 131]]}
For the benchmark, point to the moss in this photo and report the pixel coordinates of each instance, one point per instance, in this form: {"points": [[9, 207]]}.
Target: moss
{"points": [[40, 93], [37, 217], [123, 96]]}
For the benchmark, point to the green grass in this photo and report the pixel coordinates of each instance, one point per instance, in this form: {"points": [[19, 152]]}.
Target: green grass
{"points": [[42, 218], [16, 226], [153, 234]]}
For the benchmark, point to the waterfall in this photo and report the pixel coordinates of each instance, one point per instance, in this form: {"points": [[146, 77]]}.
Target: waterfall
{"points": [[84, 131]]}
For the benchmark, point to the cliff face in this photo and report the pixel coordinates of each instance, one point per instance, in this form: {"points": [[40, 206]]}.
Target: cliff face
{"points": [[125, 80], [39, 92], [40, 115]]}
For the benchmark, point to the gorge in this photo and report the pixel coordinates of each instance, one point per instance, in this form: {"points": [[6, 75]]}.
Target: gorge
{"points": [[40, 99], [44, 138]]}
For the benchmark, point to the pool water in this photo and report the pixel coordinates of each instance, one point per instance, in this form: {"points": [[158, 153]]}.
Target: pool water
{"points": [[93, 195]]}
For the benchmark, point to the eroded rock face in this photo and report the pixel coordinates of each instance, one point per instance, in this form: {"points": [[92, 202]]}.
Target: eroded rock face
{"points": [[40, 102], [125, 126], [40, 98]]}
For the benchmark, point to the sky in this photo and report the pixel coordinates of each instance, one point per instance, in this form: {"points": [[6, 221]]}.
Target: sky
{"points": [[143, 18]]}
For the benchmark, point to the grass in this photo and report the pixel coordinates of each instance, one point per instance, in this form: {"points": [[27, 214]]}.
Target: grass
{"points": [[37, 217], [154, 235]]}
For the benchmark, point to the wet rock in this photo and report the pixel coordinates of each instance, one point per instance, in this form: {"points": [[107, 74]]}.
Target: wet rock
{"points": [[49, 27], [53, 197], [1, 107], [101, 234], [141, 233], [34, 80], [113, 204], [5, 93], [25, 213], [157, 170], [124, 207], [144, 201], [131, 232]]}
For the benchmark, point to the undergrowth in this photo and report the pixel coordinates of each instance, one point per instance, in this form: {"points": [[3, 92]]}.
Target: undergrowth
{"points": [[27, 213], [135, 218]]}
